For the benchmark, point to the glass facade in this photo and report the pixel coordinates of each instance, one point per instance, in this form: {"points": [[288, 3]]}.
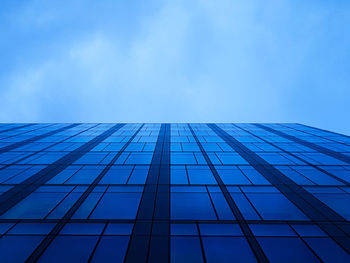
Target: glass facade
{"points": [[173, 192]]}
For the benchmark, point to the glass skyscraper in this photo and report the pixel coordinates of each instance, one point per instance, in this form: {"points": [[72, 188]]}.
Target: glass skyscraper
{"points": [[173, 192]]}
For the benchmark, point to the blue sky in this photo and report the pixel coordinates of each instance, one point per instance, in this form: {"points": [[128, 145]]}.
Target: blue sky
{"points": [[176, 61]]}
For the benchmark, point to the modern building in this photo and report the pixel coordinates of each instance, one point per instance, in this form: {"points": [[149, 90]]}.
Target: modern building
{"points": [[173, 192]]}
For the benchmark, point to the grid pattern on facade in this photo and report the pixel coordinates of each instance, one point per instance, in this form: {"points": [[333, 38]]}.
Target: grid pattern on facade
{"points": [[173, 192]]}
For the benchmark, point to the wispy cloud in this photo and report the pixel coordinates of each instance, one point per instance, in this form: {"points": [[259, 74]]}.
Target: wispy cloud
{"points": [[177, 61]]}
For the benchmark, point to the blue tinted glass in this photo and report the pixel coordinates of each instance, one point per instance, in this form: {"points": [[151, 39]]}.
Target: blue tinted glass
{"points": [[324, 190], [117, 175], [278, 159], [221, 207], [338, 202], [139, 158], [220, 230], [108, 158], [37, 191], [117, 206], [4, 227], [118, 229], [149, 147], [254, 176], [65, 174], [92, 158], [176, 147], [322, 159], [86, 207], [111, 249], [232, 176], [122, 158], [82, 229], [271, 230], [178, 175], [328, 250], [64, 206], [183, 229], [200, 158], [191, 206], [192, 189], [18, 248], [225, 249], [231, 158], [20, 177], [282, 209], [200, 176], [11, 171], [32, 228], [48, 158], [259, 189], [139, 175], [190, 147], [317, 176], [114, 147], [135, 147], [295, 176], [183, 158], [185, 249], [75, 248], [86, 175], [123, 189], [37, 205], [309, 230], [338, 171], [290, 249], [245, 207], [214, 159], [211, 147]]}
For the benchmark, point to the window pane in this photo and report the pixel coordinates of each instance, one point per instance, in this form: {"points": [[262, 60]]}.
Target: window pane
{"points": [[117, 206], [282, 208], [191, 206], [227, 249], [18, 248], [111, 249], [328, 250], [69, 249], [185, 249], [289, 249]]}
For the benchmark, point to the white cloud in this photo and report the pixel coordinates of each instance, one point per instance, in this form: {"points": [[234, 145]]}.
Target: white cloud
{"points": [[188, 61]]}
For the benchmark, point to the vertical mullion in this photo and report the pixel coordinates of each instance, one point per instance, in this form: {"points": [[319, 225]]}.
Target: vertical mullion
{"points": [[148, 236], [17, 127], [318, 148], [316, 135], [46, 148], [256, 248], [306, 202], [35, 138], [296, 156], [59, 226], [16, 194]]}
